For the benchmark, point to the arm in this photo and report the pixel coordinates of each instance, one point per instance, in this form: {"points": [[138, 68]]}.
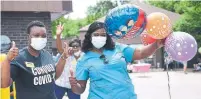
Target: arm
{"points": [[5, 66], [62, 61], [60, 65], [59, 44], [58, 38], [77, 86], [146, 51], [12, 93], [5, 73]]}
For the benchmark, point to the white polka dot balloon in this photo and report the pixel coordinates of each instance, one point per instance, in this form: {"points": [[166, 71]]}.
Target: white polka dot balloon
{"points": [[181, 46], [158, 25]]}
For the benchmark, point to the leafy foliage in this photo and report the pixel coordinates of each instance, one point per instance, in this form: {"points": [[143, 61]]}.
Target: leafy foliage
{"points": [[71, 27], [190, 11]]}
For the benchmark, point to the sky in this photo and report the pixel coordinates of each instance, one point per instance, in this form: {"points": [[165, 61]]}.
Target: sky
{"points": [[80, 8]]}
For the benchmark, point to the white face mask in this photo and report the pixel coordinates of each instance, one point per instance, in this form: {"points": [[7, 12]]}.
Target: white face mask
{"points": [[38, 43], [98, 42], [77, 53]]}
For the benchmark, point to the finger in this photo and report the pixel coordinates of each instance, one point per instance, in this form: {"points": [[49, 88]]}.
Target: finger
{"points": [[73, 81], [71, 72], [62, 25], [59, 23], [13, 44], [15, 54], [65, 45], [70, 50], [15, 48]]}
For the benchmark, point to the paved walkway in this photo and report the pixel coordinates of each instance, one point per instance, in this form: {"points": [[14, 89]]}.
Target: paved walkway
{"points": [[154, 85]]}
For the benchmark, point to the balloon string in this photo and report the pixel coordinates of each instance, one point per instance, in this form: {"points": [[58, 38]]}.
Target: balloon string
{"points": [[168, 81]]}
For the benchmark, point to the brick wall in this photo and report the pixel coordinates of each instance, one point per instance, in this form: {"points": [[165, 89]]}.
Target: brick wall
{"points": [[13, 24]]}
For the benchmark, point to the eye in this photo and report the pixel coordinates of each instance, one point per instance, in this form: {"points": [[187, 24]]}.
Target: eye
{"points": [[103, 35], [95, 34], [37, 35], [44, 36]]}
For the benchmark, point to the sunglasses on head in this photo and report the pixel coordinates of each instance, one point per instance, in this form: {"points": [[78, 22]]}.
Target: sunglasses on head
{"points": [[105, 60]]}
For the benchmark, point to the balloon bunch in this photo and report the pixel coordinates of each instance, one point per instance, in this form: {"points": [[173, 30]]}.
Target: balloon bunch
{"points": [[180, 46], [128, 21]]}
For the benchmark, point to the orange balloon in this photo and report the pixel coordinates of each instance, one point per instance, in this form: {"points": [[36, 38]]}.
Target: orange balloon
{"points": [[158, 25], [146, 39]]}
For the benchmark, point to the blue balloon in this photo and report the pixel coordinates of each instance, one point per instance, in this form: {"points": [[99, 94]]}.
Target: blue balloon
{"points": [[126, 20]]}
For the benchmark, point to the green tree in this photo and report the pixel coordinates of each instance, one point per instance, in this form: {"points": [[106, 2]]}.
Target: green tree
{"points": [[191, 20], [101, 8], [71, 27]]}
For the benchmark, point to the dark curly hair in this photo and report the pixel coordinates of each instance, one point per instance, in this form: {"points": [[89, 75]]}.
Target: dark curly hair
{"points": [[75, 40], [87, 45], [34, 23]]}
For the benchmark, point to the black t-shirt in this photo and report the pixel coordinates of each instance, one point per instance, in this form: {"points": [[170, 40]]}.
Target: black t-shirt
{"points": [[34, 76]]}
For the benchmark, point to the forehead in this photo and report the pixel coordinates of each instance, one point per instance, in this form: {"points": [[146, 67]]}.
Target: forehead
{"points": [[37, 30], [100, 31]]}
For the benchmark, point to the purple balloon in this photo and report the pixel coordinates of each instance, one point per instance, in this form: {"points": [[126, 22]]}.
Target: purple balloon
{"points": [[181, 46]]}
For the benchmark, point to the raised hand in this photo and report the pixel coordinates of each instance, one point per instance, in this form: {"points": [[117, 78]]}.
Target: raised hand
{"points": [[68, 51], [13, 52], [60, 28]]}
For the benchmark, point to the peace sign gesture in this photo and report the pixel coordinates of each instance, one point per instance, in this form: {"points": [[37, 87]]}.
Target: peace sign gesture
{"points": [[67, 51], [60, 28]]}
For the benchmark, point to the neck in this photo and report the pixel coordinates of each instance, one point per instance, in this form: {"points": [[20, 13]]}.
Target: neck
{"points": [[76, 57], [32, 51], [97, 50]]}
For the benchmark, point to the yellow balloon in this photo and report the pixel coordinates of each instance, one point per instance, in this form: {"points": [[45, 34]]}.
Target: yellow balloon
{"points": [[5, 92], [2, 57]]}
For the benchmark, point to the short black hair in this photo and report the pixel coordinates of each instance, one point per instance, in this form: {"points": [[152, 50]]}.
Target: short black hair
{"points": [[87, 45], [75, 40], [34, 23]]}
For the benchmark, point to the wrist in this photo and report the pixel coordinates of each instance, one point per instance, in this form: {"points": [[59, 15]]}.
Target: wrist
{"points": [[64, 57], [58, 35], [156, 45], [8, 59]]}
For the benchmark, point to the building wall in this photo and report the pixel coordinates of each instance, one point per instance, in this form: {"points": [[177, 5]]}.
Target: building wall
{"points": [[13, 24]]}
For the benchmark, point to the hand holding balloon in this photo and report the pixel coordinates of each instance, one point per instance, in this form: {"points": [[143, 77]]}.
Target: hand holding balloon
{"points": [[146, 39]]}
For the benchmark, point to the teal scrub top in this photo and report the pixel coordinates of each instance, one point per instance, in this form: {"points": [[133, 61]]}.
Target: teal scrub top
{"points": [[107, 81]]}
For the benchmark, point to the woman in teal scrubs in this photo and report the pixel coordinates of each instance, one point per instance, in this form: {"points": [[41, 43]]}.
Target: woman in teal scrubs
{"points": [[105, 63]]}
